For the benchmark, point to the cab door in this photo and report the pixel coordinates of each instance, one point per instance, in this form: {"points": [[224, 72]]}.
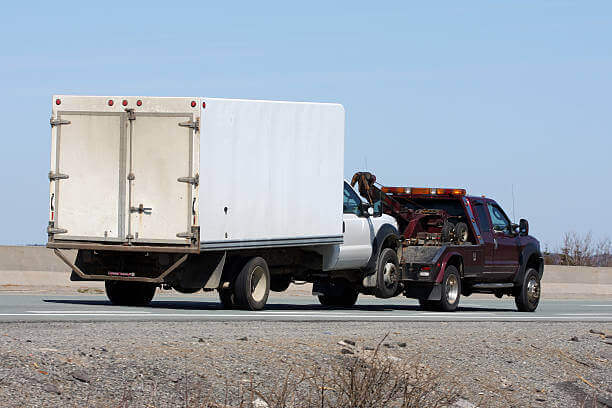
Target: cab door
{"points": [[358, 233], [506, 255]]}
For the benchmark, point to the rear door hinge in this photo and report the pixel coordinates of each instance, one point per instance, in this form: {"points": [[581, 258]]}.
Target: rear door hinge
{"points": [[58, 122], [191, 124], [57, 176], [187, 235], [191, 180], [51, 230]]}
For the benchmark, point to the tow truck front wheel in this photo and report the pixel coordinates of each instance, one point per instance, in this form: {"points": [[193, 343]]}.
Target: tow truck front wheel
{"points": [[527, 297], [387, 274], [451, 292], [122, 293]]}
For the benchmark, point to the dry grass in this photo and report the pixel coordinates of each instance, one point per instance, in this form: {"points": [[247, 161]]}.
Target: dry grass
{"points": [[363, 379]]}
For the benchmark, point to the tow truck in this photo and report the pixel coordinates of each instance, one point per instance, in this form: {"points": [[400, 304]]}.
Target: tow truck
{"points": [[452, 244]]}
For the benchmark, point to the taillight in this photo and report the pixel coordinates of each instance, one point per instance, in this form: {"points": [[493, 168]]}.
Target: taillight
{"points": [[139, 102], [110, 102], [203, 105], [124, 103], [193, 104], [58, 101]]}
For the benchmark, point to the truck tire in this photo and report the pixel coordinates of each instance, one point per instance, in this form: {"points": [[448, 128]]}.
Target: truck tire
{"points": [[227, 298], [461, 232], [447, 230], [348, 298], [252, 285], [122, 293], [528, 296], [387, 274], [451, 290]]}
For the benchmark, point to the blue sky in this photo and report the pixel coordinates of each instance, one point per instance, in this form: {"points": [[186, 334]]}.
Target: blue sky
{"points": [[482, 95]]}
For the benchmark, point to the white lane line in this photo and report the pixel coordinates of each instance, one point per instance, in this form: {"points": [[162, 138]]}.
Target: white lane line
{"points": [[87, 311], [260, 316], [584, 314], [597, 305]]}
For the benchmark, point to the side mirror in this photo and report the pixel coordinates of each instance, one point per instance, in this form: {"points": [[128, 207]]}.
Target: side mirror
{"points": [[366, 209], [523, 227]]}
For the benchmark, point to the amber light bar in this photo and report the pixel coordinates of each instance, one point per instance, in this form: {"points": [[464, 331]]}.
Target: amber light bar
{"points": [[424, 191]]}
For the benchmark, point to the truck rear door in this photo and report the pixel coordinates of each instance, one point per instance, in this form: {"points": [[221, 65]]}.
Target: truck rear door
{"points": [[124, 170]]}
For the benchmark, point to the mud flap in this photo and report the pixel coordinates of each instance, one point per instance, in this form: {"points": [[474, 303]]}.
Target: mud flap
{"points": [[433, 292]]}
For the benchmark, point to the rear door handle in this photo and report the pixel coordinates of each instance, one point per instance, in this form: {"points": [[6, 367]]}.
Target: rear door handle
{"points": [[141, 209], [495, 242]]}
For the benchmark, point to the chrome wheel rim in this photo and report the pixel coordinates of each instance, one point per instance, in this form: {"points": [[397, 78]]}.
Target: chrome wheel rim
{"points": [[258, 284], [533, 290], [452, 288], [389, 273]]}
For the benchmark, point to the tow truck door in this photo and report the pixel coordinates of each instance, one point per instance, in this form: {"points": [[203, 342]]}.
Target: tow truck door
{"points": [[484, 224], [506, 256]]}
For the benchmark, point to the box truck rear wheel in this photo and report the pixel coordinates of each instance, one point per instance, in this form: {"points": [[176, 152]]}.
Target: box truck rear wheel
{"points": [[252, 285], [122, 293]]}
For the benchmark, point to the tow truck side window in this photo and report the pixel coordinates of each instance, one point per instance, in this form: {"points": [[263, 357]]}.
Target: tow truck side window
{"points": [[483, 218], [351, 201], [499, 219]]}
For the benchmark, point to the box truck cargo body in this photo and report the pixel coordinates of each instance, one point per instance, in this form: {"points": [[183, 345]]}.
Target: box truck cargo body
{"points": [[164, 175]]}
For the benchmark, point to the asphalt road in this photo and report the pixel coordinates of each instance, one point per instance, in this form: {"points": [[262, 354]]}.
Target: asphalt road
{"points": [[35, 307]]}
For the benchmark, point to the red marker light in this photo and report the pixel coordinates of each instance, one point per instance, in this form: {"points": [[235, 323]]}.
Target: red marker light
{"points": [[110, 102], [58, 101], [193, 104], [139, 102], [203, 105], [124, 103]]}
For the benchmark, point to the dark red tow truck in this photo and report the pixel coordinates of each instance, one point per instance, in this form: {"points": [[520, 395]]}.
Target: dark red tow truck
{"points": [[453, 244]]}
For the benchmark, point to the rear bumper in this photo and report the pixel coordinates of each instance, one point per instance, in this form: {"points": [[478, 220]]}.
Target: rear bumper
{"points": [[127, 277]]}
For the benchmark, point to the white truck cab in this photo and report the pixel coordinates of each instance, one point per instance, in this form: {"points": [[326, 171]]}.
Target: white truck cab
{"points": [[366, 262], [361, 225]]}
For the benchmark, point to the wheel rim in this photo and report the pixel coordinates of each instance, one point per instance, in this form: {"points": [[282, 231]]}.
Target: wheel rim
{"points": [[452, 288], [533, 290], [463, 236], [258, 284], [389, 273]]}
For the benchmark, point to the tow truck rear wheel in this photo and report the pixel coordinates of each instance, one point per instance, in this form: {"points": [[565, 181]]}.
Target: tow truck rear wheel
{"points": [[387, 274], [252, 285], [528, 296], [123, 293], [451, 290]]}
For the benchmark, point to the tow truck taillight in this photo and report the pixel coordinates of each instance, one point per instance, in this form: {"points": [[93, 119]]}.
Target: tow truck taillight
{"points": [[58, 101]]}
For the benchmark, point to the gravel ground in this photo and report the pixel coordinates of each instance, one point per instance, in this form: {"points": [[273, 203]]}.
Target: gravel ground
{"points": [[179, 363]]}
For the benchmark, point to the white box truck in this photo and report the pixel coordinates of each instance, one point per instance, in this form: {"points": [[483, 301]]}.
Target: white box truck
{"points": [[238, 196]]}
